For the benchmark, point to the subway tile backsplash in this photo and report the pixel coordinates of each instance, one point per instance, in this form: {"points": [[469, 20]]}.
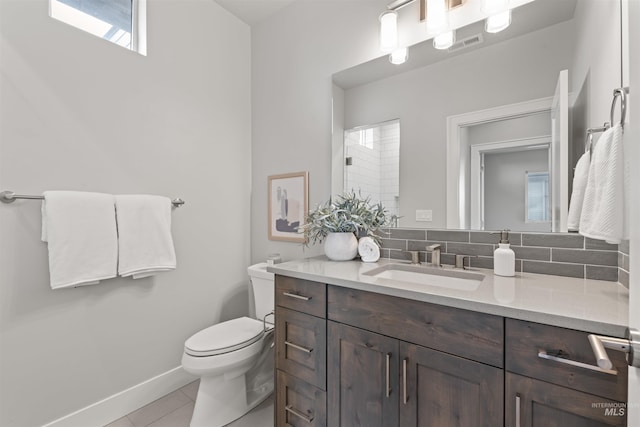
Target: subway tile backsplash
{"points": [[560, 254], [623, 263]]}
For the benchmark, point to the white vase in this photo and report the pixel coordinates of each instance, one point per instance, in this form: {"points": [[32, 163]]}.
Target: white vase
{"points": [[341, 246]]}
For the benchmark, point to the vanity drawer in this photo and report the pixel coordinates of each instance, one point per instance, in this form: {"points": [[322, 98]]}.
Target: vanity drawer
{"points": [[301, 346], [529, 346], [472, 335], [299, 403], [301, 295]]}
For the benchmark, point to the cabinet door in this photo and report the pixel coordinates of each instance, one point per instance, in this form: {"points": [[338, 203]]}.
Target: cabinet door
{"points": [[535, 403], [362, 381], [443, 390]]}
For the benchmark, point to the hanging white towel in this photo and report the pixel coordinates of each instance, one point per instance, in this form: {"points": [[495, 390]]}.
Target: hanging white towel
{"points": [[144, 235], [80, 229], [603, 209], [580, 177]]}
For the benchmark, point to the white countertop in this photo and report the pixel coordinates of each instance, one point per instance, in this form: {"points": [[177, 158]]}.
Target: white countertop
{"points": [[588, 305]]}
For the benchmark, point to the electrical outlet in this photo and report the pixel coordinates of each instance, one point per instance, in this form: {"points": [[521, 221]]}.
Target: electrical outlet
{"points": [[423, 215]]}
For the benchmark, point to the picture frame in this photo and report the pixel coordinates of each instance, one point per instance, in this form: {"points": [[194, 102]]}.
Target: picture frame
{"points": [[288, 205]]}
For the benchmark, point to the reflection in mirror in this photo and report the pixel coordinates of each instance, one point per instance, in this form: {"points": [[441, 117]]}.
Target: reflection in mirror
{"points": [[518, 66], [372, 166]]}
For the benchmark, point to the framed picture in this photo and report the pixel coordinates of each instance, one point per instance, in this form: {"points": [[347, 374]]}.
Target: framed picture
{"points": [[288, 205]]}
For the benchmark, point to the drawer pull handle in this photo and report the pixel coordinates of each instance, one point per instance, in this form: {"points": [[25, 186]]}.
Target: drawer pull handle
{"points": [[517, 410], [544, 355], [298, 347], [296, 296], [405, 397], [298, 414], [388, 376]]}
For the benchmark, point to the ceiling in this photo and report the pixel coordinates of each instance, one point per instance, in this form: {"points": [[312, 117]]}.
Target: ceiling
{"points": [[253, 11]]}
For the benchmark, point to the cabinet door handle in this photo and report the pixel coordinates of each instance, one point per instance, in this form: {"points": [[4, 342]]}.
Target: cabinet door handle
{"points": [[517, 410], [544, 355], [298, 347], [296, 296], [388, 374], [298, 414], [405, 397]]}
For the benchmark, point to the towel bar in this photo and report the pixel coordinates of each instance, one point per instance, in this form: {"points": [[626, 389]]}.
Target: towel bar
{"points": [[10, 197]]}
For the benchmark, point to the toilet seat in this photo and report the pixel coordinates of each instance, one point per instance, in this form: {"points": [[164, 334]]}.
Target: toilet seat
{"points": [[225, 337]]}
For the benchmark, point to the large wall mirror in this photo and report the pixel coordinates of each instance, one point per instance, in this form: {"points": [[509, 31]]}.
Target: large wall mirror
{"points": [[480, 127]]}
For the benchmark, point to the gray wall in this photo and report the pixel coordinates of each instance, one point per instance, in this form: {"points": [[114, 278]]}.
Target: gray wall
{"points": [[80, 113], [504, 182], [294, 54]]}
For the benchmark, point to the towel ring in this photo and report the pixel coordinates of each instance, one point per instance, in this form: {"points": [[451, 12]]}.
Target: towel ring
{"points": [[622, 94]]}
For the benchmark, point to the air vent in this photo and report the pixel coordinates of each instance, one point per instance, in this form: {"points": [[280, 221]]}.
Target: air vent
{"points": [[468, 42]]}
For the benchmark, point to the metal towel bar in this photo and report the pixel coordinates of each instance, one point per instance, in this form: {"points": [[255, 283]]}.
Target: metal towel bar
{"points": [[10, 197]]}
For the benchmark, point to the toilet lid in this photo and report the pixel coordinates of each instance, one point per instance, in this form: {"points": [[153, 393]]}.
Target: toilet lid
{"points": [[225, 337]]}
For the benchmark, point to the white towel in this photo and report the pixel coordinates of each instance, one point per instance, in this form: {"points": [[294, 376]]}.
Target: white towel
{"points": [[580, 177], [144, 229], [80, 229], [603, 210]]}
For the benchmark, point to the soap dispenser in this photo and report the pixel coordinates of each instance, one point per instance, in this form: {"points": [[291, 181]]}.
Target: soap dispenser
{"points": [[504, 259]]}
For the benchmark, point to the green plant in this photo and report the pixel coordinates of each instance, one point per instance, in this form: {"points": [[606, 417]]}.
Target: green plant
{"points": [[350, 213]]}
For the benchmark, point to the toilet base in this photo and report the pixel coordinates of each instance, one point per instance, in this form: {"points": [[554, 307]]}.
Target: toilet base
{"points": [[221, 401]]}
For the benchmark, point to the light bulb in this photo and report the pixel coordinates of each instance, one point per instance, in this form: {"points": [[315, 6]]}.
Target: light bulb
{"points": [[497, 23], [437, 16], [388, 31], [399, 56], [444, 40]]}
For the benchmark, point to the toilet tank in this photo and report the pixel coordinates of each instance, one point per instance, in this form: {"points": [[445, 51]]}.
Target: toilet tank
{"points": [[261, 291]]}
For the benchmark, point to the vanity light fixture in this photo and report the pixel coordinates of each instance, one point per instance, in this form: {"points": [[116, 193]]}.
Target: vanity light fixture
{"points": [[445, 40], [437, 22], [499, 15], [497, 22], [388, 31], [399, 56], [437, 17]]}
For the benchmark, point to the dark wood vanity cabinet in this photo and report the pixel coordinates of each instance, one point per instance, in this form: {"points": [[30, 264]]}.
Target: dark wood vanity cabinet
{"points": [[386, 367], [301, 353], [446, 390], [363, 381], [348, 358], [552, 380]]}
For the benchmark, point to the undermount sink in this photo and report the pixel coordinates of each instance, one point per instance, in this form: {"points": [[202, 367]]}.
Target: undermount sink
{"points": [[431, 276]]}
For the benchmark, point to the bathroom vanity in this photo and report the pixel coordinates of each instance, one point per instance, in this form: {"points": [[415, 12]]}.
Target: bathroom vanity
{"points": [[360, 349]]}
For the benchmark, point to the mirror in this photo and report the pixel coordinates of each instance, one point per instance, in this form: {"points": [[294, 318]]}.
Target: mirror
{"points": [[502, 83]]}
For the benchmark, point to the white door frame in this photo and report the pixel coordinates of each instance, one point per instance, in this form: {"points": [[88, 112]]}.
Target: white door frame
{"points": [[477, 190], [455, 187]]}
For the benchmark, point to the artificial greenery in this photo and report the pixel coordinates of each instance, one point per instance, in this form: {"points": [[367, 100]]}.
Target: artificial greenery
{"points": [[350, 213]]}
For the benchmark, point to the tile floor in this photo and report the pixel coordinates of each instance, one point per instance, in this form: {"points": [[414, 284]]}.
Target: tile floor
{"points": [[175, 409]]}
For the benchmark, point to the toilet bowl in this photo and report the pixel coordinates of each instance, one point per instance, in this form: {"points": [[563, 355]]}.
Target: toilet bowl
{"points": [[234, 360]]}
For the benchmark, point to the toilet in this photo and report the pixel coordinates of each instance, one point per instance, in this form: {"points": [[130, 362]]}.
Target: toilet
{"points": [[234, 359]]}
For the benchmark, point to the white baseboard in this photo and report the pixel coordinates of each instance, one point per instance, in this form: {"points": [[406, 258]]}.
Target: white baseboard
{"points": [[120, 404]]}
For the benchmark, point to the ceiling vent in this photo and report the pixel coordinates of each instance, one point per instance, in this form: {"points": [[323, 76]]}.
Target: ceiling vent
{"points": [[468, 42]]}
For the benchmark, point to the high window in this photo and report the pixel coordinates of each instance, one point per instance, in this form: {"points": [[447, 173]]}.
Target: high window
{"points": [[122, 22]]}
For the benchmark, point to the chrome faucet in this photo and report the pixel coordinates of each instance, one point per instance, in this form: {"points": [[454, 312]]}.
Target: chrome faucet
{"points": [[435, 254]]}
